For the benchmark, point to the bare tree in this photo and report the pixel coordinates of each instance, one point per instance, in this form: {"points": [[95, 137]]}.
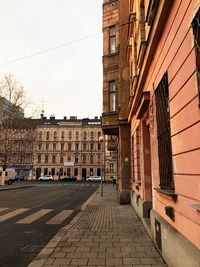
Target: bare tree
{"points": [[12, 103]]}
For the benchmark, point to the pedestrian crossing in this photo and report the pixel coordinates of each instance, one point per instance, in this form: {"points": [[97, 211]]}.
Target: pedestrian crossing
{"points": [[59, 218]]}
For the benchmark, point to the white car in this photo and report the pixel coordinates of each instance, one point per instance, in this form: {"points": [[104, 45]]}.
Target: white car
{"points": [[94, 178], [45, 178]]}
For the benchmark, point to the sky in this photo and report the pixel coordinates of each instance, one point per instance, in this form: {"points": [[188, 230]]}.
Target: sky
{"points": [[66, 81]]}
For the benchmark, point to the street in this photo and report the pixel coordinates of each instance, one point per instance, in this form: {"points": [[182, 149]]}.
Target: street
{"points": [[31, 216]]}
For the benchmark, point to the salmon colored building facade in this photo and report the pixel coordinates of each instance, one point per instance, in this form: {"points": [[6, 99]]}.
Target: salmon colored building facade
{"points": [[164, 53]]}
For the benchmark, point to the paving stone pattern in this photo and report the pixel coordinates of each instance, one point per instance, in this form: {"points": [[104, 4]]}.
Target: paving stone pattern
{"points": [[103, 234]]}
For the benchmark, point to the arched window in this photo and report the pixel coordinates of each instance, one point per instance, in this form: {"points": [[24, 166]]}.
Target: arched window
{"points": [[55, 135], [48, 135], [40, 135], [62, 135], [70, 135], [77, 135], [84, 135], [99, 134], [92, 135]]}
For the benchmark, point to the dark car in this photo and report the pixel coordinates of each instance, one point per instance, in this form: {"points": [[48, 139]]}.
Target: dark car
{"points": [[69, 179], [19, 178]]}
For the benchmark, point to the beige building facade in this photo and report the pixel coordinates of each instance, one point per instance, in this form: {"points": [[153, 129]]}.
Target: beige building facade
{"points": [[68, 147]]}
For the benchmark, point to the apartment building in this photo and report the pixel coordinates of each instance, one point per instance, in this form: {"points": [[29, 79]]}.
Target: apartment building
{"points": [[68, 147], [165, 124], [116, 90]]}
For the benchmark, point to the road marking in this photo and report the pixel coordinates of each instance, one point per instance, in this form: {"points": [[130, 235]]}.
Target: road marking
{"points": [[35, 216], [3, 209], [12, 214], [60, 217]]}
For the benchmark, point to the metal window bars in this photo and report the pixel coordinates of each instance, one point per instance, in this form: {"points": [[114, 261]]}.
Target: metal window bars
{"points": [[196, 32], [164, 135]]}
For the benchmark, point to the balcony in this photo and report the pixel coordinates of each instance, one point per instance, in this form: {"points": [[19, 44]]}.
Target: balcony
{"points": [[110, 123], [111, 145]]}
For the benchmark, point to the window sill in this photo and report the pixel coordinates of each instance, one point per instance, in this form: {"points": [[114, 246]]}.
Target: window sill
{"points": [[166, 192], [196, 207]]}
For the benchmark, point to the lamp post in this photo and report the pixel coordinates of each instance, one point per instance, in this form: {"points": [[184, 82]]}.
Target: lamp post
{"points": [[101, 139]]}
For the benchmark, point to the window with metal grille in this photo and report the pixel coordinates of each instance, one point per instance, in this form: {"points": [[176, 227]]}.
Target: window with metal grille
{"points": [[164, 135], [138, 154], [196, 32]]}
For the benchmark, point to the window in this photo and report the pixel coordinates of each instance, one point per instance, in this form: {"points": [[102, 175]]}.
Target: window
{"points": [[76, 158], [40, 135], [75, 171], [70, 135], [76, 147], [68, 171], [112, 86], [39, 158], [84, 135], [99, 147], [91, 147], [55, 135], [47, 146], [84, 146], [84, 158], [111, 167], [53, 171], [98, 158], [47, 135], [164, 134], [62, 135], [77, 135], [62, 146], [98, 134], [53, 158], [69, 147], [54, 146], [138, 154], [61, 158], [46, 158], [112, 34], [61, 171], [196, 32], [40, 146], [45, 171], [92, 135], [91, 159], [91, 171]]}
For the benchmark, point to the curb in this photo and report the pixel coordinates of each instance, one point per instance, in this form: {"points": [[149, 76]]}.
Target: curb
{"points": [[40, 259], [12, 188]]}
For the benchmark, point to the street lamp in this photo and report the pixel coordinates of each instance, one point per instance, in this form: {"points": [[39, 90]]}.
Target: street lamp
{"points": [[101, 139]]}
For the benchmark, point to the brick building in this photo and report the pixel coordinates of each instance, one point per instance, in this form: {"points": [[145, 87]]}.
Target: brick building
{"points": [[116, 90]]}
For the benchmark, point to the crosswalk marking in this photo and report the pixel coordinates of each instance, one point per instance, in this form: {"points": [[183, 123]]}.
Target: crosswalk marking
{"points": [[11, 214], [60, 217], [35, 216], [3, 209]]}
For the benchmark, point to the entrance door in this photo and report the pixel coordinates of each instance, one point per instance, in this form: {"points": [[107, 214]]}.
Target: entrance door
{"points": [[84, 173]]}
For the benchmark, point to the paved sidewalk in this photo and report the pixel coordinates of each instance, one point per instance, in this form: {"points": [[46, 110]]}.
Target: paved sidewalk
{"points": [[104, 233]]}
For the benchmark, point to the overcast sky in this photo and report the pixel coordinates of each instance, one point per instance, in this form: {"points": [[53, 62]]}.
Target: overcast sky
{"points": [[64, 81]]}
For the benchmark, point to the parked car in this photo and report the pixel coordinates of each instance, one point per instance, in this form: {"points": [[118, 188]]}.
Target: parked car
{"points": [[19, 178], [93, 178], [45, 178], [69, 179]]}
